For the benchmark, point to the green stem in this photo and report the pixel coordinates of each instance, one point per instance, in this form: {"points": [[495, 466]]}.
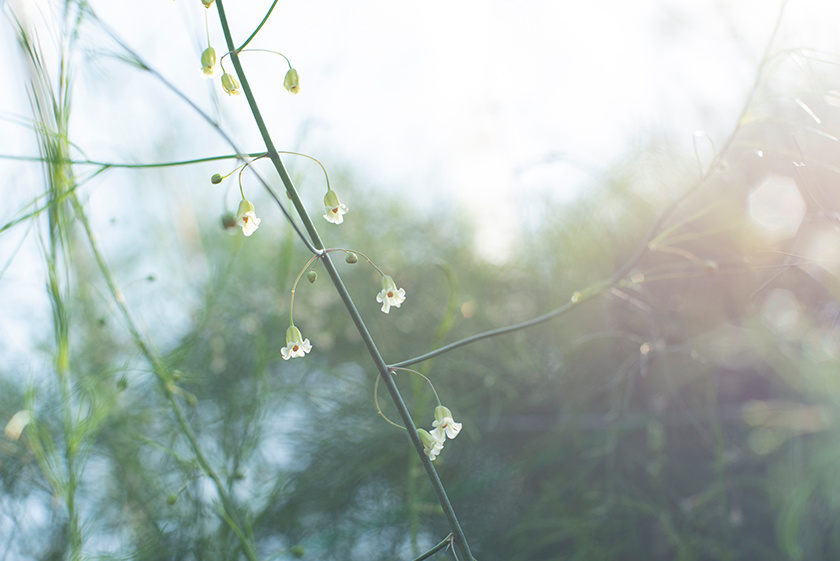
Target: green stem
{"points": [[460, 539], [376, 394], [132, 166], [444, 542], [494, 332], [240, 50], [294, 287], [257, 30], [207, 27]]}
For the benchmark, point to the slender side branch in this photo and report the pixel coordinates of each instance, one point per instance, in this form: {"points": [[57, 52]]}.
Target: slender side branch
{"points": [[257, 30], [446, 541]]}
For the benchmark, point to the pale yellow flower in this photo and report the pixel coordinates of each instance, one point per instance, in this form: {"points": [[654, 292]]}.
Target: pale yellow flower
{"points": [[208, 61], [230, 85], [292, 81]]}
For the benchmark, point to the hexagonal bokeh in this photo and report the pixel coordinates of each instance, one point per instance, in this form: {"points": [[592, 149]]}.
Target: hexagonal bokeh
{"points": [[777, 207]]}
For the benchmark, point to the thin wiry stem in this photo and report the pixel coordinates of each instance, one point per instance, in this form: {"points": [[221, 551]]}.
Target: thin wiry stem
{"points": [[460, 540], [107, 165], [443, 543], [257, 30]]}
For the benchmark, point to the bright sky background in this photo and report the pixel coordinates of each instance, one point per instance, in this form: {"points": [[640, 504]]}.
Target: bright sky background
{"points": [[446, 103], [463, 101]]}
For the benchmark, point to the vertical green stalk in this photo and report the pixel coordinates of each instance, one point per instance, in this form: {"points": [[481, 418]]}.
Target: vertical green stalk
{"points": [[57, 267], [51, 107], [51, 112], [460, 541]]}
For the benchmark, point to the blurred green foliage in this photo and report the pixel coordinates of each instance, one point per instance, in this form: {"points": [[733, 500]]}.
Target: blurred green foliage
{"points": [[617, 431], [688, 412]]}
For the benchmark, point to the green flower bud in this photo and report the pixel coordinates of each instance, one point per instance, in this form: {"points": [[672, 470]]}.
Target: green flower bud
{"points": [[292, 81], [208, 61], [228, 220], [171, 499], [331, 199], [351, 257], [230, 85], [298, 551], [312, 276], [216, 179]]}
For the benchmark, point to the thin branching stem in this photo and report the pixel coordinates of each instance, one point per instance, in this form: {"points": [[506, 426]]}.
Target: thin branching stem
{"points": [[171, 87], [443, 543], [257, 30], [460, 539]]}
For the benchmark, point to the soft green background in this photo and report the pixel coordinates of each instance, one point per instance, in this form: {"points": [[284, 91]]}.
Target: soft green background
{"points": [[688, 412]]}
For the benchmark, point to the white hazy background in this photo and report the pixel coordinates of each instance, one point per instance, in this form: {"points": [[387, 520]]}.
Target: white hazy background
{"points": [[494, 107]]}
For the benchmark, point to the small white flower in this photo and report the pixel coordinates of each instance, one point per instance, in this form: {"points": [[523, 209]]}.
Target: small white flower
{"points": [[246, 218], [444, 424], [390, 295], [296, 345], [334, 211], [431, 444]]}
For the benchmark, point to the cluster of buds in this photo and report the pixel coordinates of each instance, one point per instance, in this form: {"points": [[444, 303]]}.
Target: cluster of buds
{"points": [[444, 427], [291, 81]]}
